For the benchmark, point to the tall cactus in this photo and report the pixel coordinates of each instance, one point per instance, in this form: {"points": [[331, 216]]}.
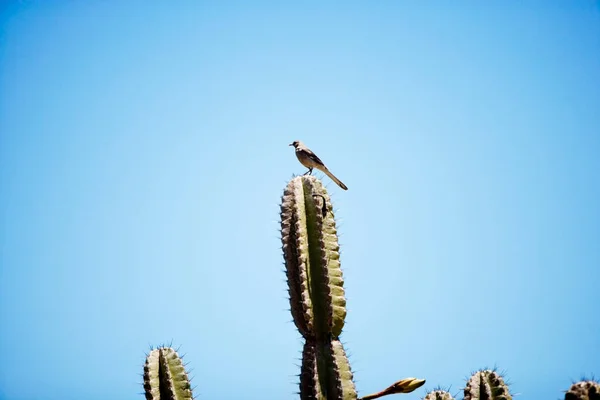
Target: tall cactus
{"points": [[316, 287], [165, 377], [318, 306], [311, 253]]}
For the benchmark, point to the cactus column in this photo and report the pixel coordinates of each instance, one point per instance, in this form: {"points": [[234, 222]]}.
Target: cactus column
{"points": [[316, 288]]}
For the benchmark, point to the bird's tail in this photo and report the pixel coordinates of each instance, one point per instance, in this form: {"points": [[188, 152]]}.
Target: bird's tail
{"points": [[333, 178]]}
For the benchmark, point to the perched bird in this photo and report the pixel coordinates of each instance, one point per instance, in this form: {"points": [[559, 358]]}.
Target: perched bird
{"points": [[310, 161]]}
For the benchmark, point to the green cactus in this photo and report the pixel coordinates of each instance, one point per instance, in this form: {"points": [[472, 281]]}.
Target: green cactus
{"points": [[325, 372], [165, 377], [584, 390], [318, 306], [438, 395], [316, 287], [312, 259], [486, 384]]}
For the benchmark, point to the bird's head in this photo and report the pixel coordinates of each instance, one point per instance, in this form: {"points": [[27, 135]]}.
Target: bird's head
{"points": [[296, 143]]}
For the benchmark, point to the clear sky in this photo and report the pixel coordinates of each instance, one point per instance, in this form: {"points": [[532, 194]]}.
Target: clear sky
{"points": [[144, 150]]}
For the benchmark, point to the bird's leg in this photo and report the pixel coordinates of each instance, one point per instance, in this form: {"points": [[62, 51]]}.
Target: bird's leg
{"points": [[309, 172]]}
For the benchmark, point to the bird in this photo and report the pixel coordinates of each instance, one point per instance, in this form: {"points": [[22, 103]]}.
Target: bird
{"points": [[310, 161]]}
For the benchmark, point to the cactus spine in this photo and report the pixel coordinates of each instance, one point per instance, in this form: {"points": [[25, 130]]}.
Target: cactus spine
{"points": [[165, 377]]}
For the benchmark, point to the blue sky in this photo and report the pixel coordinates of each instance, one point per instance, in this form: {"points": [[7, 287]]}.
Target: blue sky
{"points": [[144, 150]]}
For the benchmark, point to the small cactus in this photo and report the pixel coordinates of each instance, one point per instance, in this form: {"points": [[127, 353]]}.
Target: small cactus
{"points": [[165, 377], [486, 385], [584, 390], [438, 395]]}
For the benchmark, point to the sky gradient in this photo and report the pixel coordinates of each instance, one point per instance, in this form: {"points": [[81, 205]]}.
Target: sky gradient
{"points": [[144, 150]]}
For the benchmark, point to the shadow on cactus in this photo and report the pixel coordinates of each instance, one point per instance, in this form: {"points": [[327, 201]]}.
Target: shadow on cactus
{"points": [[316, 288]]}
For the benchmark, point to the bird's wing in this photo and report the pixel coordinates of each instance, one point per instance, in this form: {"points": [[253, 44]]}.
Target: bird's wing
{"points": [[313, 156]]}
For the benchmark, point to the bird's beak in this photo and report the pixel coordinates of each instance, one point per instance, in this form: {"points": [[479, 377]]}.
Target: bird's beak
{"points": [[291, 144]]}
